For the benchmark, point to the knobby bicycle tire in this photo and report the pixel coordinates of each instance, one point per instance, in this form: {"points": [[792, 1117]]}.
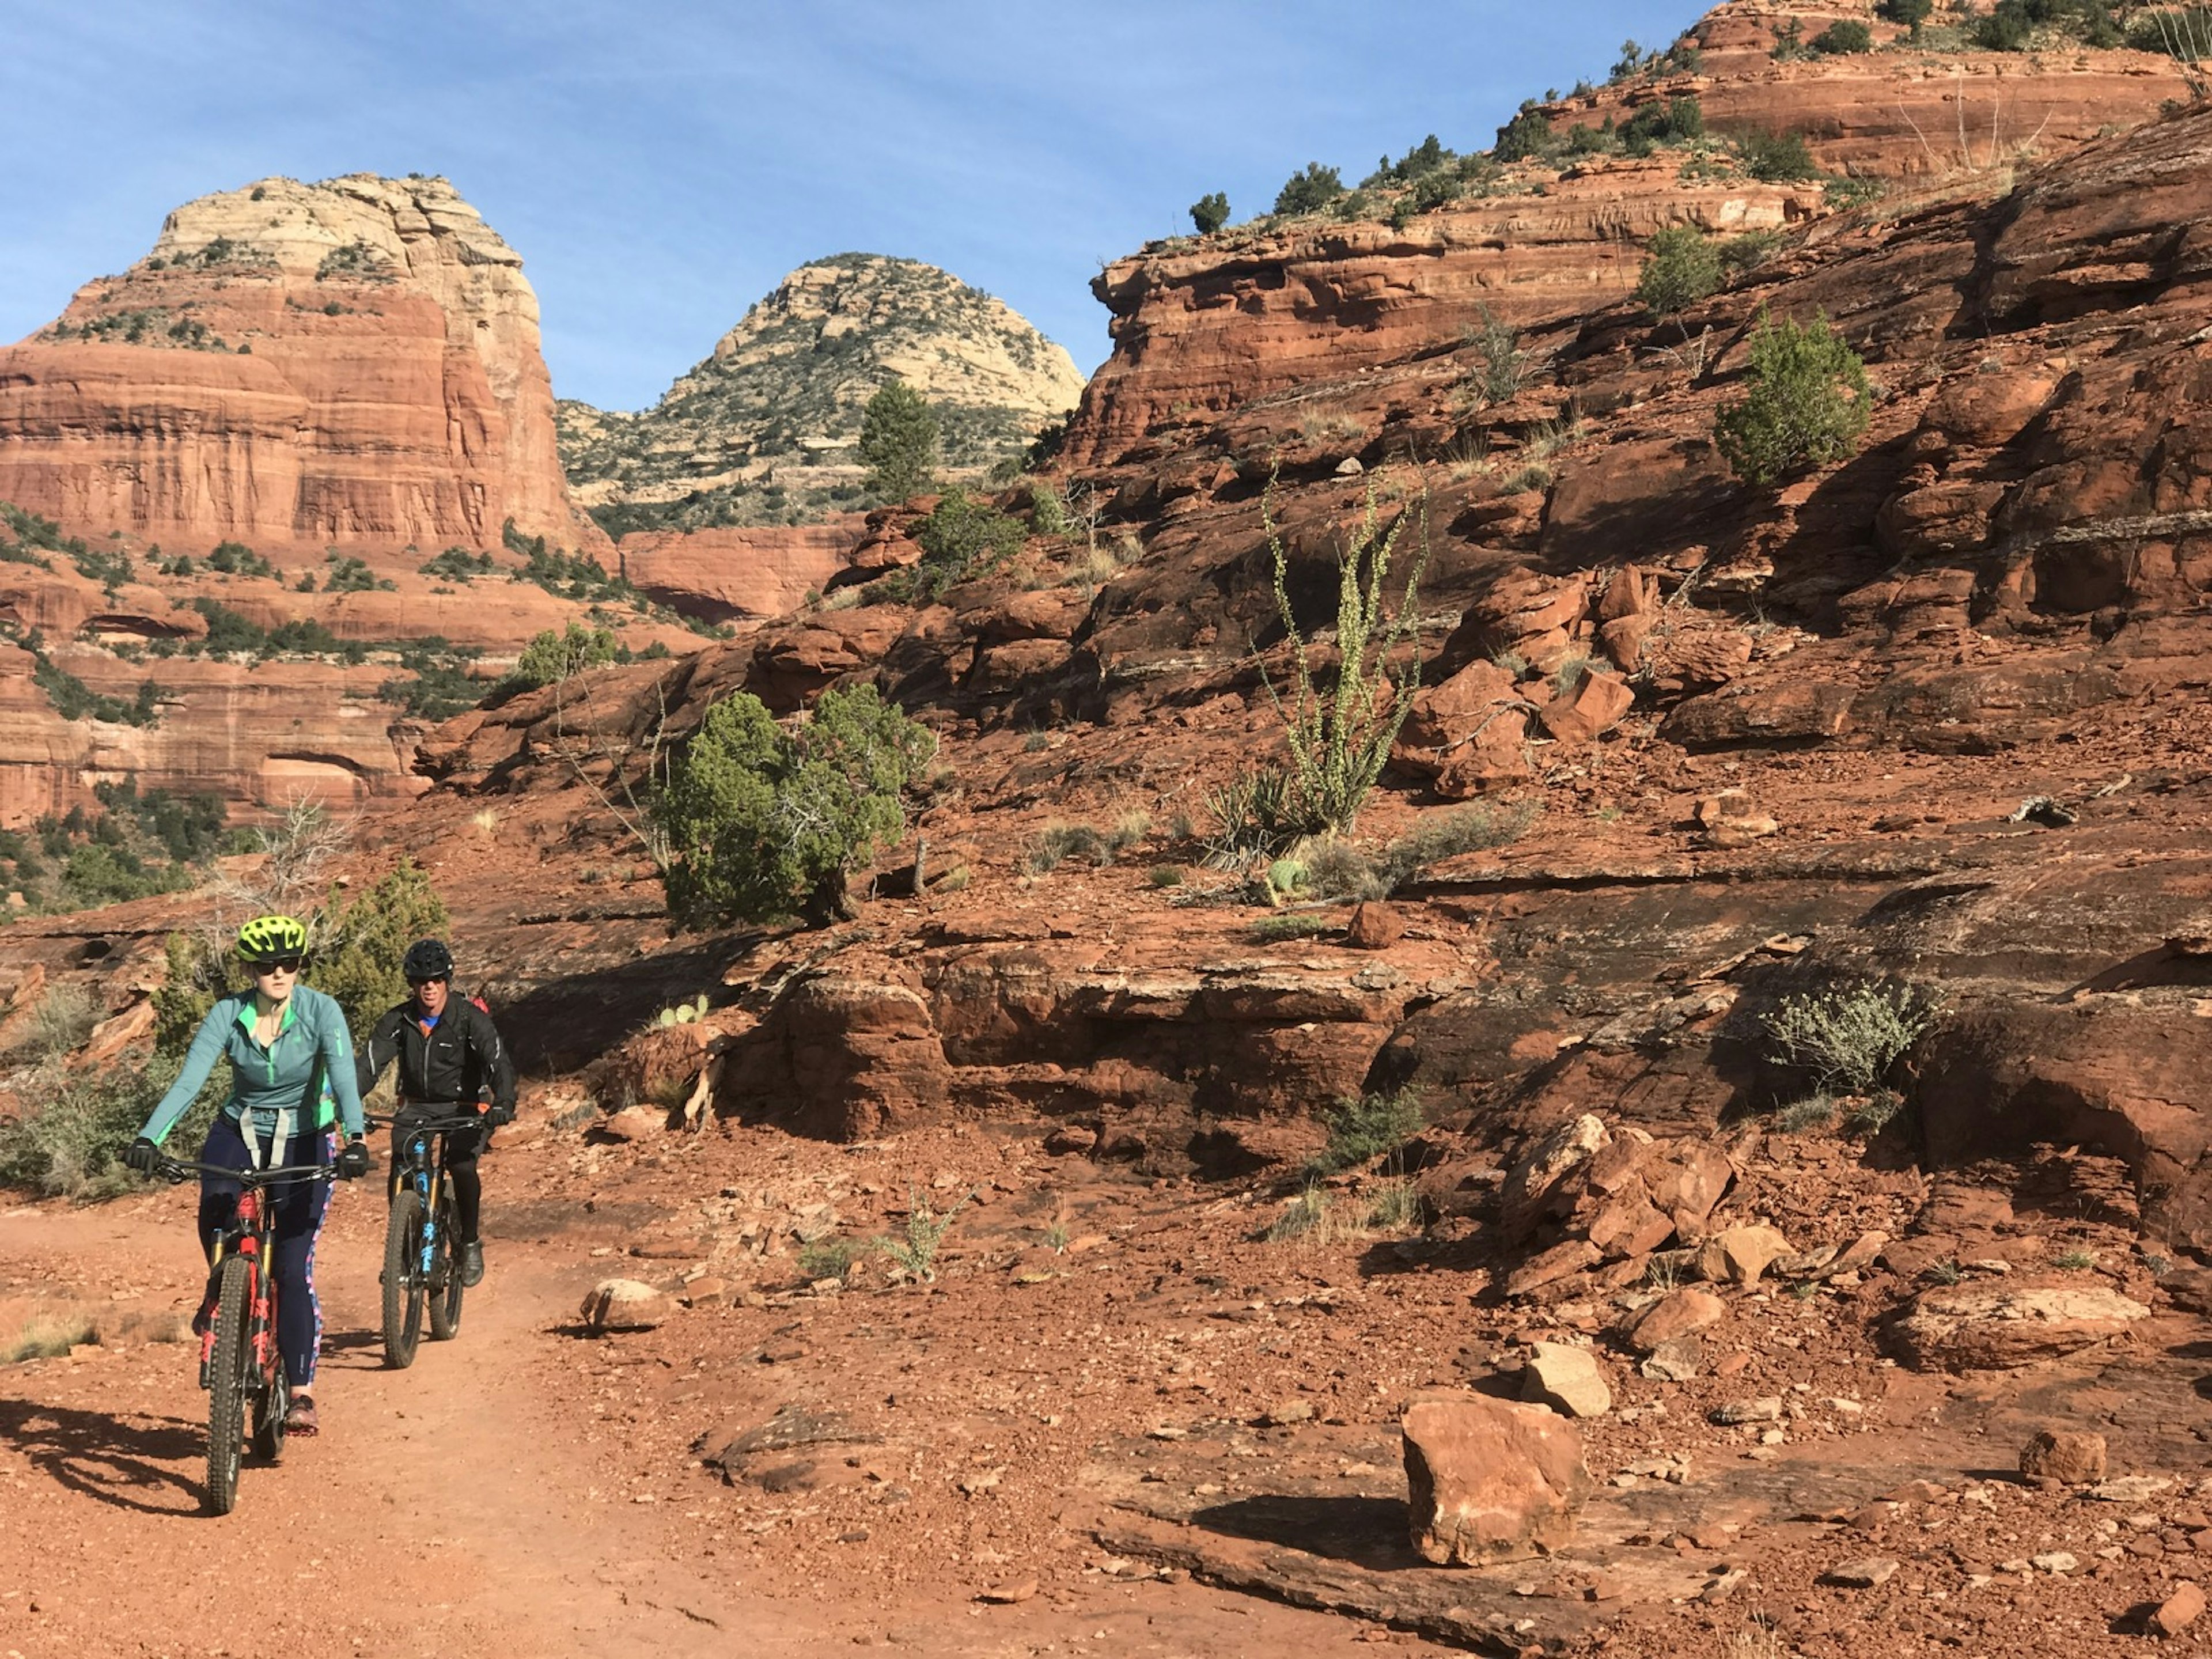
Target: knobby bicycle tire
{"points": [[227, 1386], [446, 1304], [403, 1280]]}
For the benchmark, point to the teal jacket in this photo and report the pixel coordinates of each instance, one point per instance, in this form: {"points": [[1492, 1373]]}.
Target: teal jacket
{"points": [[310, 1060]]}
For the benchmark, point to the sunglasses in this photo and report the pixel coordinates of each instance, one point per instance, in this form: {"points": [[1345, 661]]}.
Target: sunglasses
{"points": [[441, 979], [280, 965]]}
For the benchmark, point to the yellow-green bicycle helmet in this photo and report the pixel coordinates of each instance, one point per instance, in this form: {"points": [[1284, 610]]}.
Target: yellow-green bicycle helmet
{"points": [[271, 938]]}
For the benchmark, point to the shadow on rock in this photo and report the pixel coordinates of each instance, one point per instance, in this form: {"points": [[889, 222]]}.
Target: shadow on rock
{"points": [[1368, 1532]]}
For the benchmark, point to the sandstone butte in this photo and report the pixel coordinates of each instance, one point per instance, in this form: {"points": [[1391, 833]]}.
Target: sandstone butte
{"points": [[294, 365], [345, 369]]}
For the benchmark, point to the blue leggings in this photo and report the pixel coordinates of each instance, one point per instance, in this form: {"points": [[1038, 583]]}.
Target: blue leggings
{"points": [[298, 1207]]}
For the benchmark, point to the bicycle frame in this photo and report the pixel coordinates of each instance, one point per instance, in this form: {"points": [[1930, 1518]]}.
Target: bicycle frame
{"points": [[421, 1165], [248, 1378]]}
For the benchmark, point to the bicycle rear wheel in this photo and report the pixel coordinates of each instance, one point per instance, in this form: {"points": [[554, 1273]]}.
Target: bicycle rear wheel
{"points": [[227, 1386], [446, 1281], [403, 1280]]}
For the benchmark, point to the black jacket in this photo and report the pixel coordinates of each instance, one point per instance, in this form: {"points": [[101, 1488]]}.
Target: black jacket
{"points": [[456, 1061]]}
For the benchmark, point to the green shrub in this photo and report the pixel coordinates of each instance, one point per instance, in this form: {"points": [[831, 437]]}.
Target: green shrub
{"points": [[359, 947], [1527, 136], [1056, 843], [1842, 38], [1309, 192], [458, 564], [1808, 402], [62, 1020], [899, 441], [1844, 1041], [1749, 250], [236, 559], [825, 1257], [2183, 33], [1337, 870], [1340, 742], [1164, 875], [1210, 212], [961, 540], [551, 658], [1251, 813], [1363, 1129], [1775, 157], [1681, 266], [1814, 1112], [1909, 13], [1504, 365], [916, 1250], [1664, 121], [763, 823], [69, 1143], [1440, 835]]}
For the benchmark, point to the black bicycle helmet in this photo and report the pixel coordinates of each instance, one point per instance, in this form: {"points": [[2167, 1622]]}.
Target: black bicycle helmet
{"points": [[427, 959], [271, 938]]}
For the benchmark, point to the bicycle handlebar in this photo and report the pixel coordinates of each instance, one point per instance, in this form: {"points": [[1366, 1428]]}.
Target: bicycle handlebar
{"points": [[177, 1170], [434, 1125]]}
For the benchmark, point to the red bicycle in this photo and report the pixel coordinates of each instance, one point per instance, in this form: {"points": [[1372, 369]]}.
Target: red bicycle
{"points": [[240, 1365]]}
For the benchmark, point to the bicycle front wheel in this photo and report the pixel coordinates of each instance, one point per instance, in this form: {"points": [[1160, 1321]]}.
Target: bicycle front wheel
{"points": [[446, 1286], [227, 1385], [403, 1280]]}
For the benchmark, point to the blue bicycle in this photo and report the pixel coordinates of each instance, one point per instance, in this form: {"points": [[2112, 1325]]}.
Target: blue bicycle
{"points": [[420, 1271]]}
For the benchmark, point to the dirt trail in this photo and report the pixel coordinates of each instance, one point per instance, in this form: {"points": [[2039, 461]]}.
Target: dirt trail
{"points": [[464, 1507]]}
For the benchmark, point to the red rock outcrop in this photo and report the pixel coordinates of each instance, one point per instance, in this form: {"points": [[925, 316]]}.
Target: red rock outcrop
{"points": [[1203, 325], [722, 575], [292, 366]]}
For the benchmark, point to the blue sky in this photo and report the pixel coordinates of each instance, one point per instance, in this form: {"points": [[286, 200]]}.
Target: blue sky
{"points": [[660, 165]]}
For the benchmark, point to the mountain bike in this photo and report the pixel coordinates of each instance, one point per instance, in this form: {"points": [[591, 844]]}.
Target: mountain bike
{"points": [[420, 1268], [242, 1366]]}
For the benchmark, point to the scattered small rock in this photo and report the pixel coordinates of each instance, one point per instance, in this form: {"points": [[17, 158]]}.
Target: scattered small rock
{"points": [[1862, 1573], [624, 1305], [1007, 1594], [2077, 1459], [1768, 1408], [1567, 1379], [2182, 1608]]}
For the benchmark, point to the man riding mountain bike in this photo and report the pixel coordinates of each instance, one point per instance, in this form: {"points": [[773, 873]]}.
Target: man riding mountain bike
{"points": [[292, 1073], [449, 1054]]}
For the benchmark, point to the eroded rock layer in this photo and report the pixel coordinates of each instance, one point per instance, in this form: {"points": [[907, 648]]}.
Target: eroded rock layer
{"points": [[293, 366]]}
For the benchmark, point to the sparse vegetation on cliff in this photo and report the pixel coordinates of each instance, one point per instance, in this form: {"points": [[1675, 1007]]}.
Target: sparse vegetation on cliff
{"points": [[1210, 212], [135, 845], [763, 823], [1681, 266], [1808, 401], [551, 658], [1340, 741], [1309, 192]]}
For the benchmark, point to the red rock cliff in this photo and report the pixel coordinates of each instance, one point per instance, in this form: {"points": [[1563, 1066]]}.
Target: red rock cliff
{"points": [[1202, 326], [293, 366]]}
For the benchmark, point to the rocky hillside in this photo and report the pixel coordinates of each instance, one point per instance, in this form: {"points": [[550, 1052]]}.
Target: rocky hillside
{"points": [[762, 432], [1399, 265], [294, 365]]}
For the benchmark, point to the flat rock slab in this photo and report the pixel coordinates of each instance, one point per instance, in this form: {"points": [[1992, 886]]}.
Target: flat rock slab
{"points": [[1317, 1538]]}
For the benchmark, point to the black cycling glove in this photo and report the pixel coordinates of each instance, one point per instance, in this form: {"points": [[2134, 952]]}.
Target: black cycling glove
{"points": [[353, 1161], [142, 1155]]}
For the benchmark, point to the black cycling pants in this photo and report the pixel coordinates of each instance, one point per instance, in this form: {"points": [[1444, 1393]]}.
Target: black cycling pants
{"points": [[462, 1148]]}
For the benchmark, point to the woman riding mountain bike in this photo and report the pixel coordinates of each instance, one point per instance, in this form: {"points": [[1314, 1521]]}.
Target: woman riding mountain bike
{"points": [[290, 1055]]}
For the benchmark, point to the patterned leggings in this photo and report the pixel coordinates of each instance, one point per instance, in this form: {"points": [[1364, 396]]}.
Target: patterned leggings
{"points": [[298, 1207]]}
